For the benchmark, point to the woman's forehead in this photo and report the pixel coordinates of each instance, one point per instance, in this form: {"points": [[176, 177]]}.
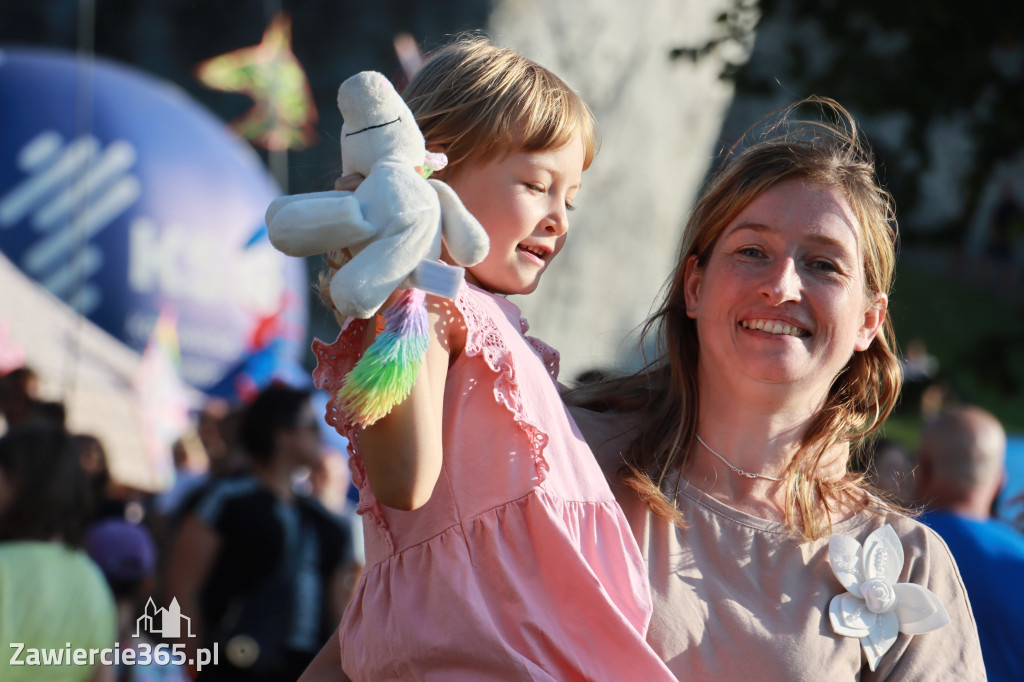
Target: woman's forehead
{"points": [[796, 208]]}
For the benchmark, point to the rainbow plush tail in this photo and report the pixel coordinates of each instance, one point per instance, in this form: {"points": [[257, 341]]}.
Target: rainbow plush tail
{"points": [[385, 374]]}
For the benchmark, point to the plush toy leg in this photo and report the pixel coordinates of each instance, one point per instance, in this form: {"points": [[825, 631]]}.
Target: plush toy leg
{"points": [[385, 374]]}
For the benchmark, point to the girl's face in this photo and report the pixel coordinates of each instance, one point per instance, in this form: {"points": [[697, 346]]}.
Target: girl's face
{"points": [[522, 200], [782, 298]]}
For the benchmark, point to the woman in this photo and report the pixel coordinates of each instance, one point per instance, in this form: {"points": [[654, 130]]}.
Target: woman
{"points": [[776, 356]]}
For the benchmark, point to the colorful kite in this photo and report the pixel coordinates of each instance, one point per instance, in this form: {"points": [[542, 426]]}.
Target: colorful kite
{"points": [[284, 115]]}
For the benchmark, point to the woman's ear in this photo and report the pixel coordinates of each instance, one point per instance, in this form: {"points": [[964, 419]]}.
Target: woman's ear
{"points": [[693, 277], [874, 316]]}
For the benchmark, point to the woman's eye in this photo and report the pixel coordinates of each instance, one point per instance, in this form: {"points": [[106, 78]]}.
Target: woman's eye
{"points": [[750, 252], [824, 266]]}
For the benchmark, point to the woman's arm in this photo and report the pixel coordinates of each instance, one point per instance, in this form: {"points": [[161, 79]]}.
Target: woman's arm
{"points": [[402, 451]]}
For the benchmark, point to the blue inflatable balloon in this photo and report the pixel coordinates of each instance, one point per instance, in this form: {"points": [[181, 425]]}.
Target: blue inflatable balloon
{"points": [[125, 198]]}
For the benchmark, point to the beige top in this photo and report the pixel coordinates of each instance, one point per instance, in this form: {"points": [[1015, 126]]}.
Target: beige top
{"points": [[739, 598]]}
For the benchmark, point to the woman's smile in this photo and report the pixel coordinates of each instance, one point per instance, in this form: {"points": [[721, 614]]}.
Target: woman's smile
{"points": [[774, 327]]}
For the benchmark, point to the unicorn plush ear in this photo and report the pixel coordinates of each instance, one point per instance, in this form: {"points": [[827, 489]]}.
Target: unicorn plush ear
{"points": [[378, 125]]}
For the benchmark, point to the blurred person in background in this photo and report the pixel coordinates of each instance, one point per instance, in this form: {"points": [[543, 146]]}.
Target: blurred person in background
{"points": [[191, 471], [126, 553], [106, 498], [19, 390], [891, 471], [202, 455], [329, 482], [20, 403], [218, 428], [260, 569], [960, 471], [52, 596]]}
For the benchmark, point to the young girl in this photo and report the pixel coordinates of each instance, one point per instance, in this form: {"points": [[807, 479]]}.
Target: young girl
{"points": [[494, 549]]}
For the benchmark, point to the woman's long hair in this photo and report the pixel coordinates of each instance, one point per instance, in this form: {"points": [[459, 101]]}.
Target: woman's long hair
{"points": [[829, 151]]}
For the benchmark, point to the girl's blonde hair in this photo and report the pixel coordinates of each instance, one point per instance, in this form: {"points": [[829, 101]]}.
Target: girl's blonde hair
{"points": [[474, 100], [831, 152]]}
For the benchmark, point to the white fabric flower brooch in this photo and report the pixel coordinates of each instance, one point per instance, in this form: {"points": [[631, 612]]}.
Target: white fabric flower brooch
{"points": [[875, 608]]}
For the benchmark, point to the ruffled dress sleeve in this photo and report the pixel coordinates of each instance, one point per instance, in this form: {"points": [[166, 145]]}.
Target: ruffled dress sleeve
{"points": [[334, 362]]}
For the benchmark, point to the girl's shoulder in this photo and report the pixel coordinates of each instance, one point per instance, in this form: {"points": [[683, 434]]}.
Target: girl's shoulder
{"points": [[451, 325], [494, 328]]}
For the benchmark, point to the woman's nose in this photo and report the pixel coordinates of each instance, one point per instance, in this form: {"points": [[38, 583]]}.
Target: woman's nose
{"points": [[782, 283]]}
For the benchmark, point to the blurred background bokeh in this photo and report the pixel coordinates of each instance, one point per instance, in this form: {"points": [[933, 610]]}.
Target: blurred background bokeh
{"points": [[143, 139]]}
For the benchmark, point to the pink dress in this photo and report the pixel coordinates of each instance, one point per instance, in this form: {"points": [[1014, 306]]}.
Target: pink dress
{"points": [[521, 566]]}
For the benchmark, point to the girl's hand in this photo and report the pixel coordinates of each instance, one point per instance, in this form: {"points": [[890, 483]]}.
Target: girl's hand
{"points": [[348, 183]]}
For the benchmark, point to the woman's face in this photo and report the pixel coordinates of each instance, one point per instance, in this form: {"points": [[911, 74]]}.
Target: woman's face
{"points": [[782, 298]]}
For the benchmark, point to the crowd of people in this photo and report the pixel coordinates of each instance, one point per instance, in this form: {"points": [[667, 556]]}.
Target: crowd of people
{"points": [[259, 567], [702, 518]]}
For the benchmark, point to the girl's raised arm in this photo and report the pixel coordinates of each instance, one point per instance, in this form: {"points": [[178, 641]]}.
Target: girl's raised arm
{"points": [[402, 451]]}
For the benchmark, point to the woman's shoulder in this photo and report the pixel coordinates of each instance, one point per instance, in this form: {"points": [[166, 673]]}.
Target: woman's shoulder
{"points": [[926, 558], [949, 651], [608, 434]]}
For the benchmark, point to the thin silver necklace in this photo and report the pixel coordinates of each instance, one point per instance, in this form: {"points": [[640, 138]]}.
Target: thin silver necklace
{"points": [[732, 466]]}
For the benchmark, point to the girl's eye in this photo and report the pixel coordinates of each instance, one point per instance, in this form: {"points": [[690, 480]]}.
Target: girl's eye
{"points": [[569, 206], [533, 187]]}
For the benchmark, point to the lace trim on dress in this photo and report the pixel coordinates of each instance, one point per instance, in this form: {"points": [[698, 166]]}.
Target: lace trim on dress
{"points": [[548, 354], [484, 339], [333, 363]]}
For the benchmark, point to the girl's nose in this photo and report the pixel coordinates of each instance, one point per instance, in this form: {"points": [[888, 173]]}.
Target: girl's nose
{"points": [[557, 221]]}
